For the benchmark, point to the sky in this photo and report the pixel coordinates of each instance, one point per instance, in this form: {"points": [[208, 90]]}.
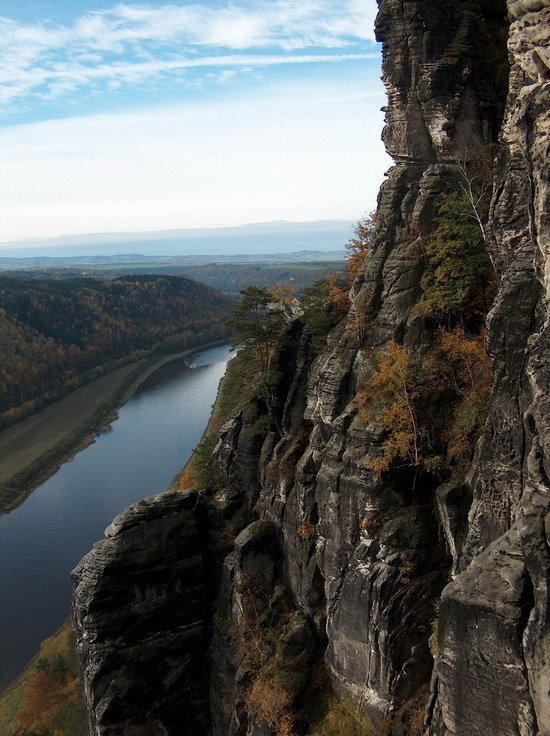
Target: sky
{"points": [[151, 116]]}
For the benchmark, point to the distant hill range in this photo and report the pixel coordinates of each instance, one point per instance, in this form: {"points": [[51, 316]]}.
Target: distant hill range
{"points": [[125, 261], [321, 236]]}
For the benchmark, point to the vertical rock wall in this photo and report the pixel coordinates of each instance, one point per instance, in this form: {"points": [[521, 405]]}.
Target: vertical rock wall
{"points": [[493, 669], [445, 70]]}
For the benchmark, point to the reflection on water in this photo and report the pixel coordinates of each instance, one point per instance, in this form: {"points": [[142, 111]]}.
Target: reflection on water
{"points": [[136, 456]]}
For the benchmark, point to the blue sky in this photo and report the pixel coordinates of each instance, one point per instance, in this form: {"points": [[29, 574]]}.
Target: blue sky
{"points": [[159, 115]]}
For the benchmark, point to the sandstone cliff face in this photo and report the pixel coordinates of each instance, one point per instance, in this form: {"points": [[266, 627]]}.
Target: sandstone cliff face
{"points": [[139, 613], [350, 579], [339, 565], [493, 664]]}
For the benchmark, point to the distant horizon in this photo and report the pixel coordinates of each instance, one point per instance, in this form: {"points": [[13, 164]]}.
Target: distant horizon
{"points": [[169, 230], [271, 237], [161, 114]]}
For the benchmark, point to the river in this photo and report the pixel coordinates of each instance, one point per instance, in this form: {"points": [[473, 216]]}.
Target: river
{"points": [[136, 456]]}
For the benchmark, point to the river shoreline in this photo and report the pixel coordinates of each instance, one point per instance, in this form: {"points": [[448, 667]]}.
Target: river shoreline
{"points": [[96, 404]]}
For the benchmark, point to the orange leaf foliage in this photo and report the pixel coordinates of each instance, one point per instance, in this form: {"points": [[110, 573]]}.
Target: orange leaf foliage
{"points": [[338, 295], [359, 245], [268, 701], [463, 365], [392, 385], [186, 480]]}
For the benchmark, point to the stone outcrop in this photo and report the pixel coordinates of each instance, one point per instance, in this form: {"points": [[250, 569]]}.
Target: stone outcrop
{"points": [[139, 613], [329, 561]]}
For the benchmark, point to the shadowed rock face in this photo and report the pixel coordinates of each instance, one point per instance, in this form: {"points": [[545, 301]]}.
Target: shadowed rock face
{"points": [[493, 670], [355, 565], [377, 563], [139, 615]]}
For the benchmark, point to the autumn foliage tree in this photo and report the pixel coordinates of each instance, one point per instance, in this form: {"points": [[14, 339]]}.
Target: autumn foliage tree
{"points": [[456, 377], [360, 244], [462, 366], [51, 701], [267, 700], [323, 306], [390, 401]]}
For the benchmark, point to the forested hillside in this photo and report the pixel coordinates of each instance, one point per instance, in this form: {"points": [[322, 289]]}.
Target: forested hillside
{"points": [[229, 278], [58, 334]]}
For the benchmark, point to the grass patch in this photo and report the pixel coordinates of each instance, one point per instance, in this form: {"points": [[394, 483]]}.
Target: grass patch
{"points": [[323, 713], [46, 699]]}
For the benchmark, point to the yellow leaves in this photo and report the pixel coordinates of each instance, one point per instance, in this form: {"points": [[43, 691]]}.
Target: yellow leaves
{"points": [[430, 416], [347, 718], [465, 361], [284, 296], [185, 480], [390, 397], [307, 531], [394, 370], [406, 568], [379, 465], [360, 245], [463, 365], [40, 703], [267, 700], [338, 295], [53, 688], [435, 464]]}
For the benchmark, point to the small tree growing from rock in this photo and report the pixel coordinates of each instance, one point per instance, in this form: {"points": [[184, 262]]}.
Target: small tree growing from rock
{"points": [[259, 321]]}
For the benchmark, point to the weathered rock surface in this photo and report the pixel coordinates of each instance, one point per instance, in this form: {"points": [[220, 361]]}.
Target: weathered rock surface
{"points": [[492, 673], [139, 613]]}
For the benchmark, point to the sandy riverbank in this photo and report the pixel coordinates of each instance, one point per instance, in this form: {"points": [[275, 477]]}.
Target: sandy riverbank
{"points": [[32, 450]]}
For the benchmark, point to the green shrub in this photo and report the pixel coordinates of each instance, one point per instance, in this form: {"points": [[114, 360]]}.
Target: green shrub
{"points": [[459, 282]]}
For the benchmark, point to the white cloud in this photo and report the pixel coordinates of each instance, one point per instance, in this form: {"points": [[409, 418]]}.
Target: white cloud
{"points": [[290, 156], [62, 78], [128, 42]]}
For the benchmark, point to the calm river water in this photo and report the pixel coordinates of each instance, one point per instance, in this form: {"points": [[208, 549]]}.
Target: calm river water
{"points": [[136, 456]]}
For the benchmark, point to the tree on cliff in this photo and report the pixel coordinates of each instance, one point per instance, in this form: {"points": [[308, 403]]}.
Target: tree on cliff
{"points": [[459, 281], [259, 321], [323, 306], [476, 169], [389, 401], [360, 244]]}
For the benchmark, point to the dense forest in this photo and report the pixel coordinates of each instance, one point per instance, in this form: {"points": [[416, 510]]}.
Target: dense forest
{"points": [[57, 334]]}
